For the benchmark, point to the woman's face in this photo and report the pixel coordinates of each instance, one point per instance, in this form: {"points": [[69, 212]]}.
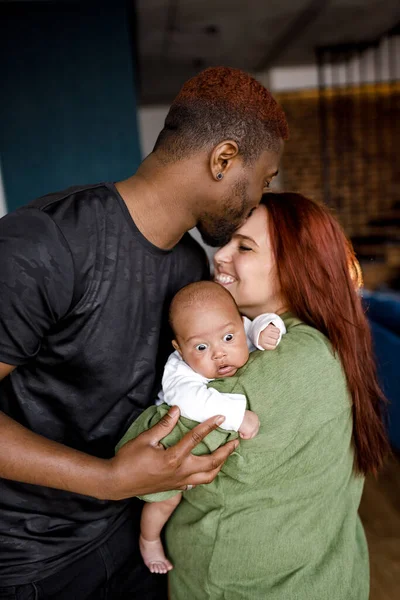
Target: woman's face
{"points": [[246, 268]]}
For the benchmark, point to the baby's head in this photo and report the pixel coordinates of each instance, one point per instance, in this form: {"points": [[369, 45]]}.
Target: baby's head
{"points": [[208, 330]]}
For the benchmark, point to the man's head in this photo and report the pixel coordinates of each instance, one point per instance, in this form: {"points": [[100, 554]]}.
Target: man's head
{"points": [[208, 329], [232, 124]]}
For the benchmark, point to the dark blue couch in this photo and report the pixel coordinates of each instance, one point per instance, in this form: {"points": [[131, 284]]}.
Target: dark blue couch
{"points": [[383, 312]]}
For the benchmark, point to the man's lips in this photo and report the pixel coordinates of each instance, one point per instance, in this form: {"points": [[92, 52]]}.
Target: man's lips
{"points": [[224, 278]]}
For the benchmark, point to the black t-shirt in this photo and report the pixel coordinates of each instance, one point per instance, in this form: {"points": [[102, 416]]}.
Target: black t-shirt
{"points": [[83, 306]]}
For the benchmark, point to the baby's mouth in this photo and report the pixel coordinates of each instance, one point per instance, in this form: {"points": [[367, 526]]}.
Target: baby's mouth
{"points": [[225, 370]]}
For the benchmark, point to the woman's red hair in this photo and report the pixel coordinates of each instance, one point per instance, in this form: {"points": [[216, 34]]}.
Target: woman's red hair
{"points": [[319, 277]]}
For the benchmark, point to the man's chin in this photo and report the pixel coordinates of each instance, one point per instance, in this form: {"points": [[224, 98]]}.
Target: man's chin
{"points": [[215, 239]]}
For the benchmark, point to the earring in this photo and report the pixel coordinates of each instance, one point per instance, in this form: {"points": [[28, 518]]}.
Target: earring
{"points": [[220, 176]]}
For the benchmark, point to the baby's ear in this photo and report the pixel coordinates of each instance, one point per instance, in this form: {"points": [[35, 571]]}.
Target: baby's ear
{"points": [[176, 346]]}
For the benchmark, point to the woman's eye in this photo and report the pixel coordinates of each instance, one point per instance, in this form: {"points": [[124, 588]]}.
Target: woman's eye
{"points": [[228, 337], [244, 248], [201, 347]]}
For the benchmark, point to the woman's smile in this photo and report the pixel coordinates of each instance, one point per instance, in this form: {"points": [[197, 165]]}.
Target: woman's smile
{"points": [[224, 278]]}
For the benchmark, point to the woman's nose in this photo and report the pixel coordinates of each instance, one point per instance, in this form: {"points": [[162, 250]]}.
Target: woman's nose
{"points": [[222, 255]]}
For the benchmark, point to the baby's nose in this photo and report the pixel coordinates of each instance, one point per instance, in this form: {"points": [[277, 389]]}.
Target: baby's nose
{"points": [[218, 353]]}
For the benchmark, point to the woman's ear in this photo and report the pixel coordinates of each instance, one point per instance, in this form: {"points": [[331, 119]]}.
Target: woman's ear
{"points": [[176, 347]]}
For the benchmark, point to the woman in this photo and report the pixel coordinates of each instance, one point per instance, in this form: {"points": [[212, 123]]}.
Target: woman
{"points": [[280, 521]]}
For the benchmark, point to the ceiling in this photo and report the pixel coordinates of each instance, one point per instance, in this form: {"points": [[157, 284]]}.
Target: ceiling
{"points": [[178, 38]]}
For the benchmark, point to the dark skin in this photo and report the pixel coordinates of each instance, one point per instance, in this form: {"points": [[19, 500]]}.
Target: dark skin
{"points": [[187, 189], [142, 466]]}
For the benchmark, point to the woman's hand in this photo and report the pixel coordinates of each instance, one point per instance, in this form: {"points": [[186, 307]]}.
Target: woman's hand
{"points": [[144, 466]]}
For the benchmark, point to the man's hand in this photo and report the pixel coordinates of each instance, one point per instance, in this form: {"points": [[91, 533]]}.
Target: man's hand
{"points": [[144, 466], [250, 425], [269, 337]]}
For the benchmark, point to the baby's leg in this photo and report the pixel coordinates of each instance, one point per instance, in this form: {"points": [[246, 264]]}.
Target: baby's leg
{"points": [[154, 517]]}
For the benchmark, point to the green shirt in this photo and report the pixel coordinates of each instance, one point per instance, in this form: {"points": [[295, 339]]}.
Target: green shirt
{"points": [[280, 521]]}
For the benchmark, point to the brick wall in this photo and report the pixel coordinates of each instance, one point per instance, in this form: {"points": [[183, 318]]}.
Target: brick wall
{"points": [[362, 141]]}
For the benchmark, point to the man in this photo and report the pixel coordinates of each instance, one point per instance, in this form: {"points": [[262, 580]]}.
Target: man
{"points": [[86, 277]]}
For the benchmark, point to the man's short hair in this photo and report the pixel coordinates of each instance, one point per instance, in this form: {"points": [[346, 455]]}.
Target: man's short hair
{"points": [[220, 104]]}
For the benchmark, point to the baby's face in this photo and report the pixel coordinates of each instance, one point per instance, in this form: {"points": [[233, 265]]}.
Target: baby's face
{"points": [[212, 340]]}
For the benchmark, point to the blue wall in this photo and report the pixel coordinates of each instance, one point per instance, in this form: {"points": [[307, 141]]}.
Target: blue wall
{"points": [[67, 101]]}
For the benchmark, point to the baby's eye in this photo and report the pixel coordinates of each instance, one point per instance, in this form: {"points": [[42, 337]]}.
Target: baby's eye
{"points": [[201, 347], [228, 337]]}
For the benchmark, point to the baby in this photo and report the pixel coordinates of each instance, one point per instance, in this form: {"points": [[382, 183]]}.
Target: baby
{"points": [[212, 341]]}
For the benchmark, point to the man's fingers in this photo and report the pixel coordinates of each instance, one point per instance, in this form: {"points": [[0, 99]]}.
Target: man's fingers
{"points": [[201, 479], [220, 455], [204, 477], [196, 435], [164, 426], [201, 465], [187, 487]]}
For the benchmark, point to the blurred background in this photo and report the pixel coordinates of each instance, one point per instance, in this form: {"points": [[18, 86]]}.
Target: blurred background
{"points": [[85, 88]]}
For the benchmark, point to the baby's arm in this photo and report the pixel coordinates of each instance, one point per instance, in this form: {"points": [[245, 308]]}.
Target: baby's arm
{"points": [[250, 425], [265, 331], [184, 388]]}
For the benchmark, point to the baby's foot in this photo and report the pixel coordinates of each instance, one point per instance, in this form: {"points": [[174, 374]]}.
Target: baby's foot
{"points": [[153, 556]]}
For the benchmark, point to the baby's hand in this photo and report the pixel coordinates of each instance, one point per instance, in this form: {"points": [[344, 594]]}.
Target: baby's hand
{"points": [[250, 425], [269, 337]]}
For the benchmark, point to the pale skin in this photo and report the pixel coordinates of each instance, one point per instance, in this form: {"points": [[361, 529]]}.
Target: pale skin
{"points": [[188, 189], [210, 338], [246, 267]]}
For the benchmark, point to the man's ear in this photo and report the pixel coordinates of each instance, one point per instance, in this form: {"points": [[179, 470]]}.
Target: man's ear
{"points": [[176, 346], [221, 158]]}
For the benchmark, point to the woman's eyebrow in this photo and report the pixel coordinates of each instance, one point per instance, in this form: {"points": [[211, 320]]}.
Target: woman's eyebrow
{"points": [[245, 237]]}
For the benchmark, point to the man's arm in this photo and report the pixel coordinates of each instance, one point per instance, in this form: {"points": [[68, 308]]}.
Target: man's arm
{"points": [[143, 466], [36, 290], [5, 370]]}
